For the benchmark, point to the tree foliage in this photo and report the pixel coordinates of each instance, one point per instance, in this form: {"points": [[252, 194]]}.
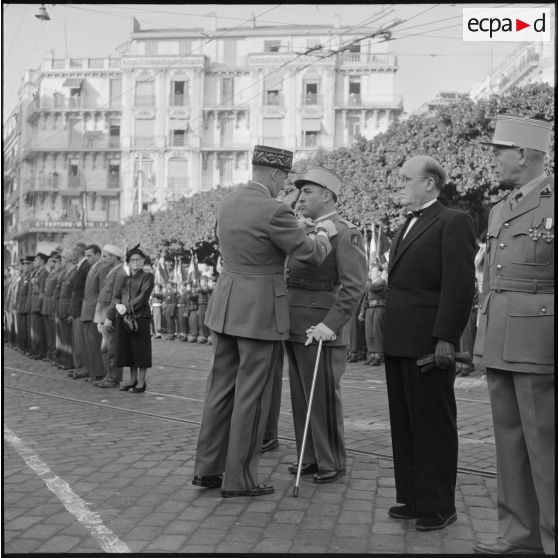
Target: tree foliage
{"points": [[369, 170]]}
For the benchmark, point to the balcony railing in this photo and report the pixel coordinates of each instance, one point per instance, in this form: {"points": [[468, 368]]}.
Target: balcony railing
{"points": [[177, 185], [273, 99], [368, 59], [113, 182], [354, 99], [62, 102], [179, 100], [144, 142], [311, 99], [274, 141], [94, 140]]}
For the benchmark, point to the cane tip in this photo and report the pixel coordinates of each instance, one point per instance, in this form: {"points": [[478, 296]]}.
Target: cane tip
{"points": [[295, 492]]}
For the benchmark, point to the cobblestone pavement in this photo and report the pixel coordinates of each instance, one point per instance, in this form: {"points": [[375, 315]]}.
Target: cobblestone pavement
{"points": [[87, 470]]}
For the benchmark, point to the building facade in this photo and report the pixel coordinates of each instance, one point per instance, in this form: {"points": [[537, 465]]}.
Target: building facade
{"points": [[177, 112]]}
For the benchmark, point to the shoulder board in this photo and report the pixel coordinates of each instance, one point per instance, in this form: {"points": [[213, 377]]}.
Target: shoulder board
{"points": [[501, 198], [348, 223]]}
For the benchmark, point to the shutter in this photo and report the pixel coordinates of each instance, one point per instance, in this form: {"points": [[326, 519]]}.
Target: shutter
{"points": [[272, 127]]}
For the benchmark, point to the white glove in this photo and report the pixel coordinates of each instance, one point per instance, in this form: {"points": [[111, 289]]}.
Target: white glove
{"points": [[320, 331], [100, 328], [328, 226], [304, 222], [121, 309]]}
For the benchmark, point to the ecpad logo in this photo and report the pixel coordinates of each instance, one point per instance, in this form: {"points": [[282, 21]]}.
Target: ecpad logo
{"points": [[506, 24]]}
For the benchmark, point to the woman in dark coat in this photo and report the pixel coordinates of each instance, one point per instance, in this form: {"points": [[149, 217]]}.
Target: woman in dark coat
{"points": [[134, 348]]}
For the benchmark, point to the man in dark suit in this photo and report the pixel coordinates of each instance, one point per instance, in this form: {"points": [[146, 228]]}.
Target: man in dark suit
{"points": [[431, 282], [38, 335], [248, 317], [322, 298], [515, 338]]}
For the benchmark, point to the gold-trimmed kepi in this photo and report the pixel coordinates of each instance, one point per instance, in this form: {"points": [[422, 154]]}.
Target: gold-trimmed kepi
{"points": [[322, 177], [273, 157], [518, 131]]}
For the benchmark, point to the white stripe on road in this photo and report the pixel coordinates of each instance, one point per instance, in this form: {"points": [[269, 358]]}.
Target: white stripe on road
{"points": [[106, 539]]}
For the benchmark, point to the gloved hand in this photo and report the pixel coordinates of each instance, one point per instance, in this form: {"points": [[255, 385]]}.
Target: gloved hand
{"points": [[360, 317], [328, 226], [444, 355], [428, 362], [121, 309], [69, 319], [100, 328], [108, 325], [320, 331]]}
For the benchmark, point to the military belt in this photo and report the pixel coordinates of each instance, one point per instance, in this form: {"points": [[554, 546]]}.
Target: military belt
{"points": [[271, 269], [522, 285], [374, 303], [310, 284]]}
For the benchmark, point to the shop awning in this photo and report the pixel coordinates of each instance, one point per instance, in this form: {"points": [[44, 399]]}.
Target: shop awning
{"points": [[73, 82]]}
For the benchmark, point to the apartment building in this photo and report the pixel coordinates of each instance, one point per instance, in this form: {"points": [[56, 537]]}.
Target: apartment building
{"points": [[177, 111]]}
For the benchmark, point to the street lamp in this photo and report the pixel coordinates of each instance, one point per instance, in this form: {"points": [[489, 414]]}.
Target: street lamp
{"points": [[42, 14]]}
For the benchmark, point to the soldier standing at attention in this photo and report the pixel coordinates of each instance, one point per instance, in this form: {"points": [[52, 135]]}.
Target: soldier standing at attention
{"points": [[322, 298], [47, 306], [515, 338], [23, 287], [248, 317]]}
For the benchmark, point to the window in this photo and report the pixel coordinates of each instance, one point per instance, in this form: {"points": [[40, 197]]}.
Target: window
{"points": [[227, 91], [273, 86], [226, 128], [178, 176], [353, 128], [179, 93], [114, 135], [178, 138], [184, 46], [311, 89], [225, 170], [115, 92], [272, 46], [272, 131], [310, 139], [354, 91], [150, 47], [74, 169], [144, 133], [145, 93]]}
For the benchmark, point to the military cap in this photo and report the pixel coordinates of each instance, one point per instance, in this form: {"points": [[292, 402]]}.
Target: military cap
{"points": [[54, 253], [30, 259], [322, 177], [518, 131], [267, 156], [43, 257]]}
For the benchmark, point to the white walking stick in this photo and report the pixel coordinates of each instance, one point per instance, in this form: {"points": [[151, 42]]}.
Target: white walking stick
{"points": [[295, 489]]}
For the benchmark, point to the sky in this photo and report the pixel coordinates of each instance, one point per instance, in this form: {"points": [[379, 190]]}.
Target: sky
{"points": [[432, 56]]}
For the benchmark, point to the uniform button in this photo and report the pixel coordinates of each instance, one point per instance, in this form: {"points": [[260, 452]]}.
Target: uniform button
{"points": [[499, 267], [501, 245], [543, 310], [506, 225], [498, 290]]}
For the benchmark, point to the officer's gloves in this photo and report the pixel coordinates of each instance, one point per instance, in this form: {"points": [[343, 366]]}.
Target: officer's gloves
{"points": [[320, 331]]}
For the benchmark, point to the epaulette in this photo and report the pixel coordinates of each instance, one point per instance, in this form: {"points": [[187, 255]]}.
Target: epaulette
{"points": [[348, 223]]}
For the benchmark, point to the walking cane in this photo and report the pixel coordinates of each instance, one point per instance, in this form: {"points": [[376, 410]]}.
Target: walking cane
{"points": [[295, 489]]}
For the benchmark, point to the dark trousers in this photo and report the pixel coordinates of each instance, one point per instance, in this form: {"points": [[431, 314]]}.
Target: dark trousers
{"points": [[357, 338], [23, 340], [50, 334], [235, 411], [325, 443], [78, 343], [92, 345], [109, 352], [423, 417], [203, 329], [170, 319], [272, 424], [66, 337], [38, 335], [374, 329], [193, 323]]}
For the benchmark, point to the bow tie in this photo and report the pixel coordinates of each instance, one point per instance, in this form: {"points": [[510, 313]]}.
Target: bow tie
{"points": [[415, 213]]}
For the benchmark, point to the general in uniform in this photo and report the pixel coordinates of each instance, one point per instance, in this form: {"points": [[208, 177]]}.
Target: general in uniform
{"points": [[248, 316], [322, 297], [515, 338]]}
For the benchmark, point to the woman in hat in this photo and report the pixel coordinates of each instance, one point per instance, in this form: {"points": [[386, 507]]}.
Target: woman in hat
{"points": [[134, 347]]}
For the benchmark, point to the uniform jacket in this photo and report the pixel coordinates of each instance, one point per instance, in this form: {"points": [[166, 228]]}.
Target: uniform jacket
{"points": [[107, 294], [192, 300], [431, 282], [516, 325], [50, 283], [329, 292], [78, 287], [203, 297], [29, 292], [92, 288], [38, 290], [255, 233], [171, 303], [375, 294], [134, 293], [56, 292], [66, 292], [21, 297]]}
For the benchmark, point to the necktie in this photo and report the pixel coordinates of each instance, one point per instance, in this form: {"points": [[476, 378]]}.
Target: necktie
{"points": [[412, 214]]}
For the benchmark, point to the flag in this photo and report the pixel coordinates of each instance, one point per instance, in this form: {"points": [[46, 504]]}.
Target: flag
{"points": [[366, 250], [193, 271], [125, 264], [161, 275], [373, 246], [178, 271], [383, 246]]}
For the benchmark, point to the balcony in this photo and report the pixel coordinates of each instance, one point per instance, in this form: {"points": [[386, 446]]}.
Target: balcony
{"points": [[61, 103], [177, 186], [82, 63], [274, 141], [312, 99], [144, 100], [370, 61], [144, 142], [273, 99], [179, 100], [94, 140]]}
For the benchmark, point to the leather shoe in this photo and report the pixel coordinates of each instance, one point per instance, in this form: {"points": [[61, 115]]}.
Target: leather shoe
{"points": [[328, 476], [434, 521], [108, 384], [406, 511], [352, 358], [502, 546], [268, 445], [211, 481], [259, 490], [80, 376], [306, 469]]}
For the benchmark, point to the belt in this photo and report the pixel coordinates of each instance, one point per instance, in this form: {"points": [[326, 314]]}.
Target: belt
{"points": [[310, 284], [271, 269], [522, 285], [374, 303]]}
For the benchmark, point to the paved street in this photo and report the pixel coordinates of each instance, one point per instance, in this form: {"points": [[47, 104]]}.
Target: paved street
{"points": [[92, 470]]}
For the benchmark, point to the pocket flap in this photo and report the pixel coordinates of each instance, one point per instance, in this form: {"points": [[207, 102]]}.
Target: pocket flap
{"points": [[528, 305]]}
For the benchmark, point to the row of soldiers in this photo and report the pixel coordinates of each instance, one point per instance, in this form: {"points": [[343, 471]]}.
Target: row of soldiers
{"points": [[179, 310]]}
